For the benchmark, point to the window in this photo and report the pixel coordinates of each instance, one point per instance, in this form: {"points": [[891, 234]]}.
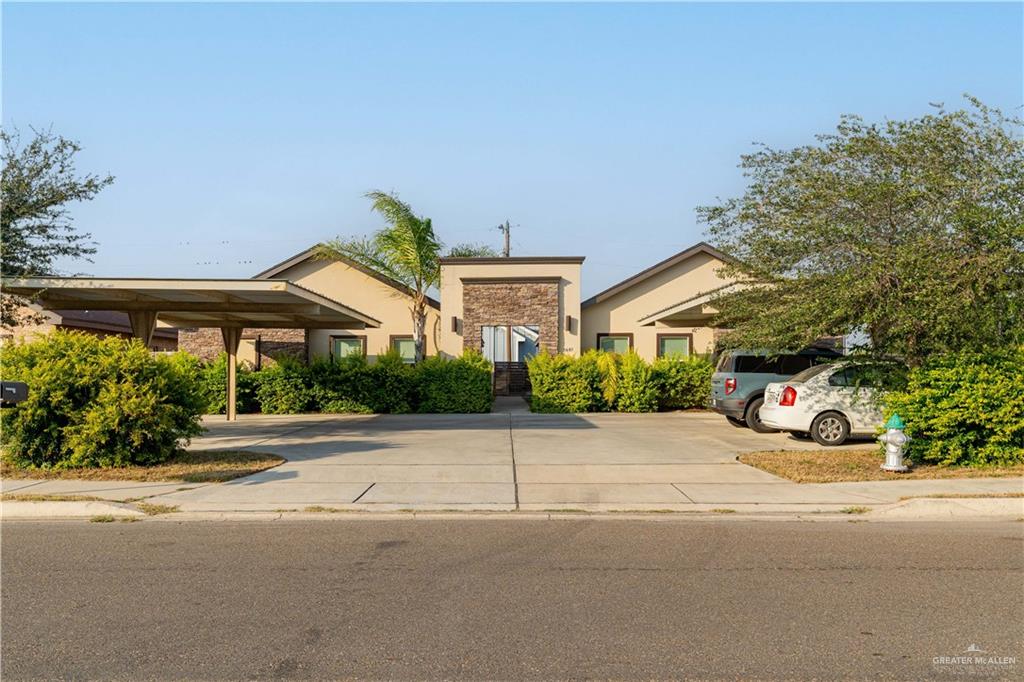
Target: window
{"points": [[794, 364], [675, 344], [614, 343], [344, 346], [504, 343], [406, 347]]}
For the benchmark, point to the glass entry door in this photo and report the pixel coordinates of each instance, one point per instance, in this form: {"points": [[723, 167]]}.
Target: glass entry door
{"points": [[509, 347], [510, 343]]}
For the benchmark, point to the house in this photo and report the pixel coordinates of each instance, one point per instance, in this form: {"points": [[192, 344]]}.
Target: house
{"points": [[662, 310], [361, 287], [96, 322], [508, 308]]}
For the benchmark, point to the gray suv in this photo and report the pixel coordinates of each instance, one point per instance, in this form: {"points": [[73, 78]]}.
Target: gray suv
{"points": [[737, 386]]}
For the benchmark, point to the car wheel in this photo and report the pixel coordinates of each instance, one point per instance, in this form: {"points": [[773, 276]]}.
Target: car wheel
{"points": [[754, 418], [830, 428], [737, 422]]}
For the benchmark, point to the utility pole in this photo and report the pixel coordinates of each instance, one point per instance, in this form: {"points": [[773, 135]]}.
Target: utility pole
{"points": [[506, 229]]}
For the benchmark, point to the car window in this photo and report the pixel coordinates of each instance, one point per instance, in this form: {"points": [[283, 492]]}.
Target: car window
{"points": [[794, 364], [785, 365], [808, 373], [753, 364], [724, 363], [839, 378], [859, 376]]}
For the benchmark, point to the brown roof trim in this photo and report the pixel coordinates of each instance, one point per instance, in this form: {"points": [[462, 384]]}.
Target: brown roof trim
{"points": [[509, 280], [309, 253], [517, 260], [700, 247]]}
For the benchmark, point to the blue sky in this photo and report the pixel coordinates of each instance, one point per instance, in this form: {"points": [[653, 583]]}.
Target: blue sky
{"points": [[241, 134]]}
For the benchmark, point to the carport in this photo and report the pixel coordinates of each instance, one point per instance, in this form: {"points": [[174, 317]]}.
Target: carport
{"points": [[230, 304]]}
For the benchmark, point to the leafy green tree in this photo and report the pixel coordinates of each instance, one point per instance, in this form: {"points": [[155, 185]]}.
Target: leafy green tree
{"points": [[911, 232], [467, 250], [407, 250], [38, 182]]}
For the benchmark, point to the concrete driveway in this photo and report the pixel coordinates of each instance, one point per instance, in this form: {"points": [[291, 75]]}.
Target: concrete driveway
{"points": [[504, 461]]}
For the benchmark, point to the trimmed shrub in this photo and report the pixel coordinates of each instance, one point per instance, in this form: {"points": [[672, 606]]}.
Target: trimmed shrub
{"points": [[213, 381], [637, 390], [562, 383], [283, 388], [683, 383], [599, 381], [461, 385], [964, 409], [392, 383], [98, 402]]}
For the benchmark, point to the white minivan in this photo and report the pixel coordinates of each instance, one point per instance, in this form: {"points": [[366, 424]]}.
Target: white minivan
{"points": [[828, 402]]}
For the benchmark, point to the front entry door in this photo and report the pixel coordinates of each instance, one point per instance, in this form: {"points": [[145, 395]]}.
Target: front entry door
{"points": [[509, 347]]}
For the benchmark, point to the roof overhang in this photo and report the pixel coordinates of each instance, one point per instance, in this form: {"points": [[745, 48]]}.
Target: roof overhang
{"points": [[282, 268], [693, 307], [196, 302], [643, 275]]}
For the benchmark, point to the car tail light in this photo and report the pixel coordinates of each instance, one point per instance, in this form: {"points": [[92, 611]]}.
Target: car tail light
{"points": [[730, 386], [788, 398]]}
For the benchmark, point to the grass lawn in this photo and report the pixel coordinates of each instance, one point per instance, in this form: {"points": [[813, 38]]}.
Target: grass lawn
{"points": [[211, 466], [831, 466]]}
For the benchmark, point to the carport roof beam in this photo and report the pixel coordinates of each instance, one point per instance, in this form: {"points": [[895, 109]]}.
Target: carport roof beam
{"points": [[196, 302], [231, 304]]}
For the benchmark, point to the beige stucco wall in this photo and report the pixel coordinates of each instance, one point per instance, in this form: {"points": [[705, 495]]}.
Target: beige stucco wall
{"points": [[366, 294], [620, 313], [452, 303]]}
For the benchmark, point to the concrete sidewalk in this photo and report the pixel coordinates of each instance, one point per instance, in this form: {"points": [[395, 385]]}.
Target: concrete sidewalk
{"points": [[509, 461]]}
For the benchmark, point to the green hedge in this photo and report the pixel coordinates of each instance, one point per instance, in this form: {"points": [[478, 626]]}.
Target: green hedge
{"points": [[388, 386], [601, 382], [964, 409], [683, 383], [462, 385], [98, 402]]}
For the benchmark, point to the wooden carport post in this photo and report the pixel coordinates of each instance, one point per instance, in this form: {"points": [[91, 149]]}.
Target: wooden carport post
{"points": [[232, 337], [143, 323]]}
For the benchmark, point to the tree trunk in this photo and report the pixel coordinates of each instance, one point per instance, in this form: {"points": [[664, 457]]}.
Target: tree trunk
{"points": [[419, 328]]}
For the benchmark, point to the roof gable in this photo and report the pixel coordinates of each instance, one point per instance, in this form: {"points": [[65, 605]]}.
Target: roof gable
{"points": [[643, 275], [310, 254]]}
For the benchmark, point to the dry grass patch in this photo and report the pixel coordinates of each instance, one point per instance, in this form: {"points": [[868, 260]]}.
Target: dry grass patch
{"points": [[40, 497], [211, 466], [832, 466], [150, 509]]}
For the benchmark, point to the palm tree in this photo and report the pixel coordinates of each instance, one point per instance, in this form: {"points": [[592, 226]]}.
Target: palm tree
{"points": [[407, 251]]}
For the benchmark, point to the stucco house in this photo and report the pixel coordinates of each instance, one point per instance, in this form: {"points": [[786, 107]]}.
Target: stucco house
{"points": [[345, 280], [508, 308], [661, 310]]}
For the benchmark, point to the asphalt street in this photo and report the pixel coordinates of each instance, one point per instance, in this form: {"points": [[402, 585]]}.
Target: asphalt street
{"points": [[662, 598]]}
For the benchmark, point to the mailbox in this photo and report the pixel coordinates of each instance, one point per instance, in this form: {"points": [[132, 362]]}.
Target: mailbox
{"points": [[12, 393]]}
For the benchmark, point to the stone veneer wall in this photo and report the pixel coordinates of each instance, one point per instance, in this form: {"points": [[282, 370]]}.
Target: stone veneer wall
{"points": [[508, 302], [206, 343]]}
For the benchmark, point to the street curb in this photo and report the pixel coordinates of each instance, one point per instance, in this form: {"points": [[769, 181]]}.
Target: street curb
{"points": [[45, 509], [953, 507], [918, 509]]}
